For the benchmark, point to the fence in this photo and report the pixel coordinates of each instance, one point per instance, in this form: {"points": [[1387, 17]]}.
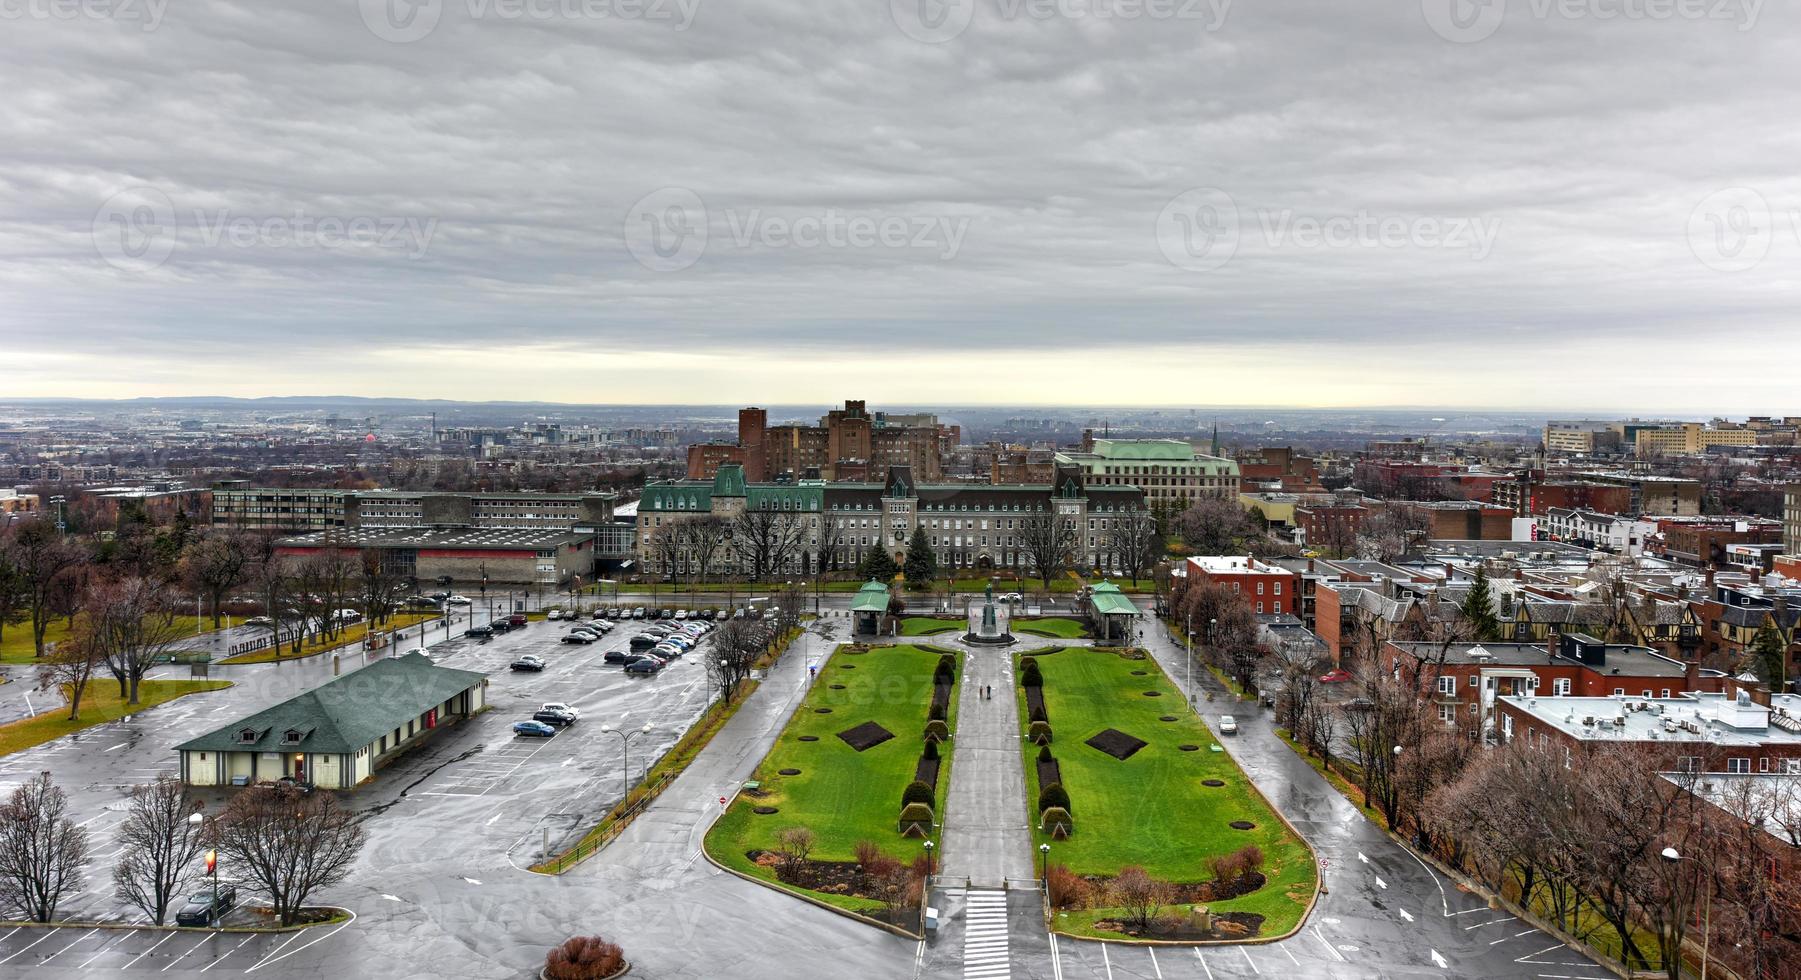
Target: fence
{"points": [[615, 825]]}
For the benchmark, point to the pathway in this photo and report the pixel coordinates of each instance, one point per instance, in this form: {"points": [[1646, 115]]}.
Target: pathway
{"points": [[985, 841]]}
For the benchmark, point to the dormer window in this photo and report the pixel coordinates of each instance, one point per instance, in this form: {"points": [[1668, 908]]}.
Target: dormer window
{"points": [[291, 737], [246, 736]]}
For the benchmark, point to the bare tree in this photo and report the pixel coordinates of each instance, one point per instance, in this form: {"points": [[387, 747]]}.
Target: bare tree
{"points": [[766, 540], [1140, 896], [215, 564], [72, 665], [159, 847], [41, 556], [1395, 532], [1134, 542], [291, 844], [41, 850], [327, 582], [1214, 526], [15, 591], [666, 545], [793, 846], [1047, 540], [133, 626], [734, 649], [705, 543], [274, 586]]}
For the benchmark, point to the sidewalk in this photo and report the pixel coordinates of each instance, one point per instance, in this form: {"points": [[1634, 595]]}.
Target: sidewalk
{"points": [[985, 838]]}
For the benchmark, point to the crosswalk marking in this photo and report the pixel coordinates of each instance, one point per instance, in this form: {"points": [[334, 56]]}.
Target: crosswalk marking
{"points": [[985, 955]]}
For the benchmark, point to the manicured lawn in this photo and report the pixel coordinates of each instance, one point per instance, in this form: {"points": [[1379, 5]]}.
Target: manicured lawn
{"points": [[1055, 627], [348, 636], [100, 704], [927, 625], [17, 647], [1151, 808], [842, 795]]}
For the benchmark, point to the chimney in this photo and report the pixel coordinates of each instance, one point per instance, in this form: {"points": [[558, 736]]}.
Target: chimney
{"points": [[1449, 572], [1088, 440], [1709, 596], [1691, 675], [1551, 645], [1310, 565]]}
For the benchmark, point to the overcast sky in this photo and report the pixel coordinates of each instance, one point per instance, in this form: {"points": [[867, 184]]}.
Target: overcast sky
{"points": [[1519, 203]]}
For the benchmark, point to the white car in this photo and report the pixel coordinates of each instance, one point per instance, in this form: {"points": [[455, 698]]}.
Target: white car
{"points": [[568, 709], [457, 600], [1228, 725], [553, 614], [413, 650]]}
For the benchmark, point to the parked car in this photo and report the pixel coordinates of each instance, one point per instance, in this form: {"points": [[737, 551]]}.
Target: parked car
{"points": [[1335, 677], [533, 729], [644, 665], [202, 910], [1012, 597], [528, 662], [479, 631], [1360, 704], [618, 657], [1228, 725], [457, 600], [681, 614], [501, 626], [259, 621], [518, 620], [576, 636], [553, 614], [644, 641], [563, 706], [667, 651], [561, 719], [297, 785]]}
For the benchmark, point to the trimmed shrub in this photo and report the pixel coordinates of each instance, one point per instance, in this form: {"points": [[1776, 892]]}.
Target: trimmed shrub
{"points": [[1053, 795], [1058, 823], [1036, 713], [947, 665], [584, 958], [931, 749], [937, 712], [1030, 677], [1039, 733], [1044, 753], [916, 820], [916, 792], [1027, 661], [938, 731]]}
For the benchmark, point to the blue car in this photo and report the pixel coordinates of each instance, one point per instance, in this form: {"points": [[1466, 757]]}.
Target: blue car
{"points": [[533, 729]]}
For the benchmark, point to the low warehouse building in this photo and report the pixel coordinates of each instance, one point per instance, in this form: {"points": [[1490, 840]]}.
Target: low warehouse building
{"points": [[337, 735]]}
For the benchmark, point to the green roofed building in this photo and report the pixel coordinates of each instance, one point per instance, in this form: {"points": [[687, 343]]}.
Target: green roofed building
{"points": [[1171, 472], [869, 607], [337, 735], [1111, 611]]}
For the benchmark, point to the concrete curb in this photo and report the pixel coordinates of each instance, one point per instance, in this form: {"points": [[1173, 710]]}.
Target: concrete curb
{"points": [[347, 917]]}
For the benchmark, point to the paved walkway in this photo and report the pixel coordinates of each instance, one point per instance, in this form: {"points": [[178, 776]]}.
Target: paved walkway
{"points": [[985, 841]]}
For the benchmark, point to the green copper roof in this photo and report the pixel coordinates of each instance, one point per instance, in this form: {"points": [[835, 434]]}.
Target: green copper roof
{"points": [[729, 481], [1109, 601], [872, 597], [1169, 449]]}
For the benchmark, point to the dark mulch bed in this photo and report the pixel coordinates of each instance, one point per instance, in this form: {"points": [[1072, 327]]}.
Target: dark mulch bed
{"points": [[941, 697], [1202, 892], [832, 878], [809, 738], [1168, 718], [1226, 925], [1141, 673], [1153, 694], [865, 736], [1189, 747], [788, 772], [1049, 773], [837, 687], [1117, 743], [927, 771], [764, 810], [822, 711], [847, 667], [1242, 825], [1213, 782], [1034, 701]]}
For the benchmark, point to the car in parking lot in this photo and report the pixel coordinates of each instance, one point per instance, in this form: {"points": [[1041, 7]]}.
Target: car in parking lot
{"points": [[1012, 597], [561, 719], [457, 600], [618, 657], [202, 910], [530, 662], [501, 626], [259, 621], [681, 614], [479, 631], [533, 729], [553, 614], [644, 641], [576, 636], [1228, 725], [1335, 677], [519, 620], [667, 651], [644, 665], [563, 706]]}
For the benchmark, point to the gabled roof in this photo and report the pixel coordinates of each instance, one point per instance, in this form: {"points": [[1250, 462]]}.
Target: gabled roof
{"points": [[347, 713], [872, 597], [1109, 601]]}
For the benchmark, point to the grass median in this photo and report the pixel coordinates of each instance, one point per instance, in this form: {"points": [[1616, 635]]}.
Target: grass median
{"points": [[347, 637], [99, 705], [839, 793], [17, 647], [1154, 809]]}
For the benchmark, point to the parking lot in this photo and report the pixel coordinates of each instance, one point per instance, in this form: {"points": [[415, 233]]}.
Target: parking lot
{"points": [[35, 951]]}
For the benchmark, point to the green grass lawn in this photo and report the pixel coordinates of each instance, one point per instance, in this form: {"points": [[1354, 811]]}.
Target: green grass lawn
{"points": [[842, 795], [928, 625], [17, 647], [1055, 627], [1151, 809], [348, 636], [99, 705]]}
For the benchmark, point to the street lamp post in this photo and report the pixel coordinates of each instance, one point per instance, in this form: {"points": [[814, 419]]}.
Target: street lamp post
{"points": [[1671, 855], [1044, 862], [195, 820], [625, 763], [928, 859]]}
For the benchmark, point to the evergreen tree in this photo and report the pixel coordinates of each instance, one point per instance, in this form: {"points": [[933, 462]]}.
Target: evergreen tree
{"points": [[921, 564], [1479, 609], [1767, 658], [877, 565]]}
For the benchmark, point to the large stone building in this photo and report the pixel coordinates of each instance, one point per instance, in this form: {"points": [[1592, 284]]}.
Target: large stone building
{"points": [[832, 526], [1791, 520], [1170, 471], [850, 443], [296, 510]]}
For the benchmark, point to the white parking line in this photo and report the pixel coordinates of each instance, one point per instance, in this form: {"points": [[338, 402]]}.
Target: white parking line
{"points": [[1247, 959], [135, 959], [272, 957], [47, 934], [1154, 967], [1203, 959], [1329, 947], [65, 949], [203, 941], [103, 950]]}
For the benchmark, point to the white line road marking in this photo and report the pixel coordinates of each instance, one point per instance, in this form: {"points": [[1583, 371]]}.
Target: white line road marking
{"points": [[1203, 959], [1154, 967], [119, 746], [1329, 947], [1107, 961], [228, 952], [472, 881], [1439, 961], [103, 950], [47, 934], [65, 949], [1363, 857], [1380, 883], [272, 957], [1057, 959], [1247, 959], [1405, 915], [1291, 958], [1488, 923], [184, 956], [135, 959]]}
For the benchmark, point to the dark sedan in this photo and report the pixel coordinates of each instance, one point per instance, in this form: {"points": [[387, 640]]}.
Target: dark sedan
{"points": [[527, 662], [201, 910], [644, 665]]}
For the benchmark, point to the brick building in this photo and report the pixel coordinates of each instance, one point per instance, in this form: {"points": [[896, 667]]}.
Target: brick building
{"points": [[850, 443], [1269, 588], [1281, 467], [1699, 733]]}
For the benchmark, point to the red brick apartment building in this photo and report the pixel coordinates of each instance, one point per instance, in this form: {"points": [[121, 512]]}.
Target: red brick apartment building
{"points": [[850, 443], [1729, 733], [1268, 588]]}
